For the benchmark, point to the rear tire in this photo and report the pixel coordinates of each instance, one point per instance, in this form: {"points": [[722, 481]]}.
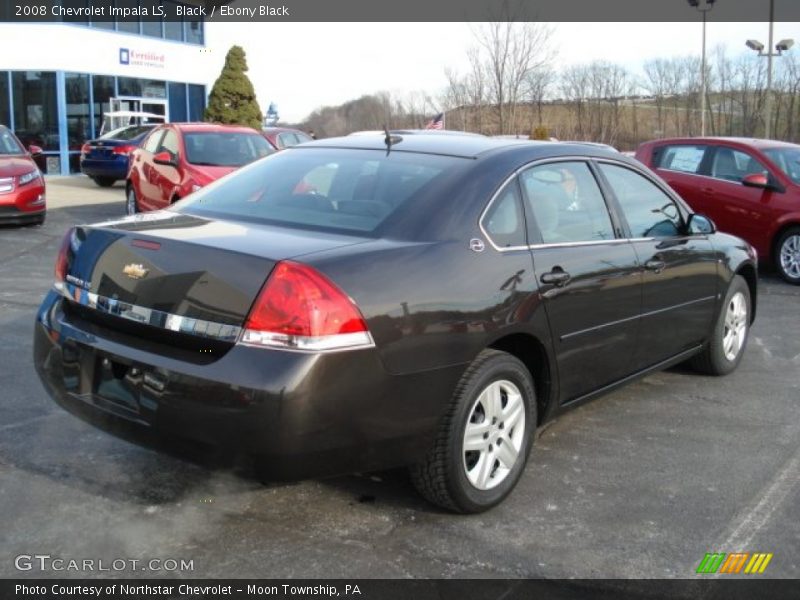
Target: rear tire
{"points": [[787, 255], [104, 181], [484, 439], [131, 203], [724, 350]]}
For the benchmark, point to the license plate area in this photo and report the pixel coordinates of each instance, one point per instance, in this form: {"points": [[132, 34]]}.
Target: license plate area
{"points": [[118, 382]]}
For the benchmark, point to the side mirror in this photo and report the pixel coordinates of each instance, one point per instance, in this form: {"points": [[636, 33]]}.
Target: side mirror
{"points": [[166, 159], [34, 150], [756, 180], [700, 225]]}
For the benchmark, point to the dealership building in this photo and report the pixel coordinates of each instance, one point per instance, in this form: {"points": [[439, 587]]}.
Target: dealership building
{"points": [[58, 79]]}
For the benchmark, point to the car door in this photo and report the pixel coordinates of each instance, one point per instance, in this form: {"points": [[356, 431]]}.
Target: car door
{"points": [[143, 164], [589, 276], [166, 177], [679, 271], [743, 211]]}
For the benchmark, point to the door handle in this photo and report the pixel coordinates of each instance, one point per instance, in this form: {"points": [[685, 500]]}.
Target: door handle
{"points": [[709, 191], [557, 277], [655, 264]]}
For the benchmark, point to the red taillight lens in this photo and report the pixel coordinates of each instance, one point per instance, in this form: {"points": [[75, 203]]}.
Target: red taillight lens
{"points": [[300, 308], [86, 148], [123, 149], [62, 259]]}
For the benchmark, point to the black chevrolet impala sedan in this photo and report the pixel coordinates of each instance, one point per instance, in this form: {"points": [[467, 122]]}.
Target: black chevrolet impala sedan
{"points": [[367, 302]]}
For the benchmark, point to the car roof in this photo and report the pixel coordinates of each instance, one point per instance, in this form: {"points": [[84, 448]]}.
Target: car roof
{"points": [[750, 142], [460, 145], [281, 130], [195, 127]]}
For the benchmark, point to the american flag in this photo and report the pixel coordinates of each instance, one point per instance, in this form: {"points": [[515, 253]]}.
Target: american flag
{"points": [[436, 122]]}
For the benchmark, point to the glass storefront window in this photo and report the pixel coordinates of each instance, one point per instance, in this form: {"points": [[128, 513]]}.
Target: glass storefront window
{"points": [[173, 30], [193, 30], [78, 118], [151, 28], [102, 91], [5, 111], [131, 24], [197, 102], [145, 88], [177, 102], [35, 108]]}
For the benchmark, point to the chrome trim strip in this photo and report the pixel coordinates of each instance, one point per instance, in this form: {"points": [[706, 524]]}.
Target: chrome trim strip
{"points": [[149, 316], [302, 343], [643, 315], [6, 185]]}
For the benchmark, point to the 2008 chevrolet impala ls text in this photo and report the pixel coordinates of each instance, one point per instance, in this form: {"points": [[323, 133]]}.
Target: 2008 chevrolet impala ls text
{"points": [[368, 302]]}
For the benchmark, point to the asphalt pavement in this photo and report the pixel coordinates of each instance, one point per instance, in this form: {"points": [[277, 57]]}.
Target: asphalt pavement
{"points": [[640, 483]]}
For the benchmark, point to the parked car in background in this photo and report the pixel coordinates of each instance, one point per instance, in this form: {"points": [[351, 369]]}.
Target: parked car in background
{"points": [[434, 301], [750, 188], [177, 159], [106, 159], [22, 187], [284, 137]]}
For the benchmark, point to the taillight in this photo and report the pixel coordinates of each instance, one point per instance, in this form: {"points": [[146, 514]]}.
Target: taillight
{"points": [[86, 148], [299, 308], [62, 259], [123, 149]]}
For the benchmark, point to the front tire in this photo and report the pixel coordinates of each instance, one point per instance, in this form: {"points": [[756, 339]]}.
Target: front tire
{"points": [[787, 255], [485, 437], [131, 203], [724, 350]]}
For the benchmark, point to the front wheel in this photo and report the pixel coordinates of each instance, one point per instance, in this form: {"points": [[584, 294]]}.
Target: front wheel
{"points": [[131, 205], [788, 255], [724, 350], [485, 438]]}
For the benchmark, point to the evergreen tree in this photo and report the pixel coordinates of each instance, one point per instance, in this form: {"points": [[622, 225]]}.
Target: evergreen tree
{"points": [[233, 99]]}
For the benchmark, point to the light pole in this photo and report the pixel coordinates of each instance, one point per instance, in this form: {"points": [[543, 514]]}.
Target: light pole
{"points": [[704, 6], [780, 48]]}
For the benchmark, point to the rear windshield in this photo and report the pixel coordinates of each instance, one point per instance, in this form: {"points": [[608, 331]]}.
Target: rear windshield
{"points": [[787, 159], [225, 148], [9, 144], [335, 189], [126, 133]]}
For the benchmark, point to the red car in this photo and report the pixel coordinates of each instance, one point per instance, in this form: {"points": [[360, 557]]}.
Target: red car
{"points": [[22, 190], [750, 188], [177, 159], [284, 137]]}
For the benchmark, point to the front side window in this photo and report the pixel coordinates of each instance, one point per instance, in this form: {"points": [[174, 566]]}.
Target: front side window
{"points": [[566, 203], [504, 222], [734, 165], [649, 211], [224, 148], [684, 158], [169, 143]]}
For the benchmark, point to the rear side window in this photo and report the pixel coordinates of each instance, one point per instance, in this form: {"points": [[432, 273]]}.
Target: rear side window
{"points": [[683, 158], [350, 190], [504, 222], [647, 209], [566, 203], [733, 165]]}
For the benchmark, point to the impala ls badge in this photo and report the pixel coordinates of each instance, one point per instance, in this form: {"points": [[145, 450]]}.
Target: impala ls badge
{"points": [[135, 271], [476, 245]]}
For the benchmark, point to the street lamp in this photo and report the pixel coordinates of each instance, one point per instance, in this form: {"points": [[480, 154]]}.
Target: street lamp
{"points": [[780, 48], [704, 6]]}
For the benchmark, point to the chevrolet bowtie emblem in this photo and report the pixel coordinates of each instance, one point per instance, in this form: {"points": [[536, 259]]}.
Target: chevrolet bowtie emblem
{"points": [[135, 271]]}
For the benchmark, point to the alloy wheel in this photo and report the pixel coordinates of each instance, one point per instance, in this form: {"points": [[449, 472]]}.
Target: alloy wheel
{"points": [[735, 331], [790, 256], [494, 434], [130, 204]]}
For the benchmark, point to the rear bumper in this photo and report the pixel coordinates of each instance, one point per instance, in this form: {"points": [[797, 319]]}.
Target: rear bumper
{"points": [[306, 414], [117, 169]]}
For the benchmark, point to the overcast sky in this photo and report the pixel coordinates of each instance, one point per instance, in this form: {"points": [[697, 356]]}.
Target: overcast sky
{"points": [[302, 66]]}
